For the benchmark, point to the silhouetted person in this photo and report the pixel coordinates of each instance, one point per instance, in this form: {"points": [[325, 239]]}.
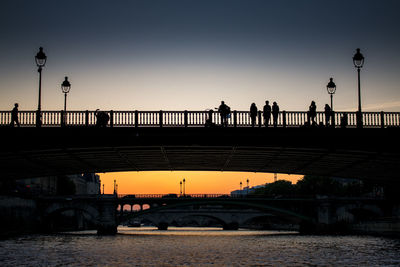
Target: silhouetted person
{"points": [[267, 113], [102, 118], [312, 113], [14, 116], [275, 113], [328, 113], [224, 111], [253, 114], [343, 120]]}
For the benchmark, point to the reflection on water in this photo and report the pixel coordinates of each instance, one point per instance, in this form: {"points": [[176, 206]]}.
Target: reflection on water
{"points": [[197, 247]]}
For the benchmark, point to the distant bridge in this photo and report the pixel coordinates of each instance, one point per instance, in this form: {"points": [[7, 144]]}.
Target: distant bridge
{"points": [[106, 211]]}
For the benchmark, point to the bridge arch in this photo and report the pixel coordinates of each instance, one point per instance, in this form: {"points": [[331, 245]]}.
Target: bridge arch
{"points": [[87, 214], [285, 213]]}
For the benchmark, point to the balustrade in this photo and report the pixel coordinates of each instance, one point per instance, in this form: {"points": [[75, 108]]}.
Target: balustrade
{"points": [[194, 118]]}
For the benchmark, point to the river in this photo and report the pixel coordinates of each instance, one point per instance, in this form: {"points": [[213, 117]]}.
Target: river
{"points": [[197, 247]]}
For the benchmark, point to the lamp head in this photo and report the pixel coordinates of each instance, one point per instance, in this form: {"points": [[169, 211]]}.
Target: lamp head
{"points": [[331, 87], [358, 59], [40, 58]]}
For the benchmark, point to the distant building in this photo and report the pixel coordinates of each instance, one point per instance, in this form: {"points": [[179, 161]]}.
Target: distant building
{"points": [[39, 185], [246, 190], [85, 184]]}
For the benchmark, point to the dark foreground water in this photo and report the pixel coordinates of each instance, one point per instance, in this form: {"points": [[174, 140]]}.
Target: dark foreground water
{"points": [[198, 247]]}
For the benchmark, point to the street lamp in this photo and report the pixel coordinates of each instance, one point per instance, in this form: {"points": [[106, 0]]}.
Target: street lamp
{"points": [[40, 59], [180, 183], [331, 88], [184, 186], [240, 186], [247, 186], [358, 60], [65, 87]]}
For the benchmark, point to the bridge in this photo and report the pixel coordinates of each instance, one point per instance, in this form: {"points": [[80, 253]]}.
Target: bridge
{"points": [[106, 211], [150, 143]]}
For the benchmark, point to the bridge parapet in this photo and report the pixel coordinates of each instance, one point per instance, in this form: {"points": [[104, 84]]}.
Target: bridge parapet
{"points": [[194, 118]]}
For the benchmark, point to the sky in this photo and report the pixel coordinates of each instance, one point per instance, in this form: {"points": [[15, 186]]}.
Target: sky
{"points": [[190, 55]]}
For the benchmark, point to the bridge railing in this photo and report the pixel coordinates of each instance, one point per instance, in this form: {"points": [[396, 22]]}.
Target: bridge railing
{"points": [[195, 118]]}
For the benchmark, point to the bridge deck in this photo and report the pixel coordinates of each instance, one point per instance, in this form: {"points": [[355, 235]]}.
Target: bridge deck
{"points": [[362, 153]]}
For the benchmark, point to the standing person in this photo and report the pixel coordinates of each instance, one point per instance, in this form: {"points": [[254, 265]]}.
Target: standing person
{"points": [[343, 120], [267, 113], [312, 112], [275, 113], [328, 113], [253, 114], [14, 115], [224, 110]]}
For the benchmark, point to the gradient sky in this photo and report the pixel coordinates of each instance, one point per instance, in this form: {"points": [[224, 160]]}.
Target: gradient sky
{"points": [[186, 54]]}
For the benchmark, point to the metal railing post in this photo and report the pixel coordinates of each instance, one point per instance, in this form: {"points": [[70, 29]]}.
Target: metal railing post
{"points": [[382, 119], [136, 118], [185, 118], [111, 118], [235, 118], [161, 118], [62, 122], [284, 119], [87, 118]]}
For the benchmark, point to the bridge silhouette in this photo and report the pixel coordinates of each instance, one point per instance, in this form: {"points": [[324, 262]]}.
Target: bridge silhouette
{"points": [[231, 212], [106, 211], [367, 153]]}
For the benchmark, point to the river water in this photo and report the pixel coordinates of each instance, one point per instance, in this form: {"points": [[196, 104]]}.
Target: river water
{"points": [[197, 247]]}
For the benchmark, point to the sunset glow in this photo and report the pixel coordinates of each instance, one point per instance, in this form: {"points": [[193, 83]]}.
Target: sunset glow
{"points": [[165, 182]]}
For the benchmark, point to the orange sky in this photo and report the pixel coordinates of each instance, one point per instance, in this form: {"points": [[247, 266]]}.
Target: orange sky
{"points": [[164, 182]]}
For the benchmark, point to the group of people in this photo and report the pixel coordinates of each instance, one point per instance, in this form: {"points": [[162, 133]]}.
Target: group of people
{"points": [[225, 111]]}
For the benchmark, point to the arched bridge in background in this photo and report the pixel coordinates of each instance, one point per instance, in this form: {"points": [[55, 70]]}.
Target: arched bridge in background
{"points": [[152, 141], [230, 211], [105, 212]]}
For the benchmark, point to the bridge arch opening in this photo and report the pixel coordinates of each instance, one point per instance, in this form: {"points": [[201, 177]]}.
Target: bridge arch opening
{"points": [[70, 219]]}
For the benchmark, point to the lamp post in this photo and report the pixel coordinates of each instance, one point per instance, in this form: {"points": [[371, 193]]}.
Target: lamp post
{"points": [[184, 193], [358, 60], [247, 186], [40, 59], [240, 186], [331, 88], [65, 87], [180, 183]]}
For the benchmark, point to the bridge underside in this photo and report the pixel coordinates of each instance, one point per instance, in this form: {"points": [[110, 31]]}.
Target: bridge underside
{"points": [[356, 153]]}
